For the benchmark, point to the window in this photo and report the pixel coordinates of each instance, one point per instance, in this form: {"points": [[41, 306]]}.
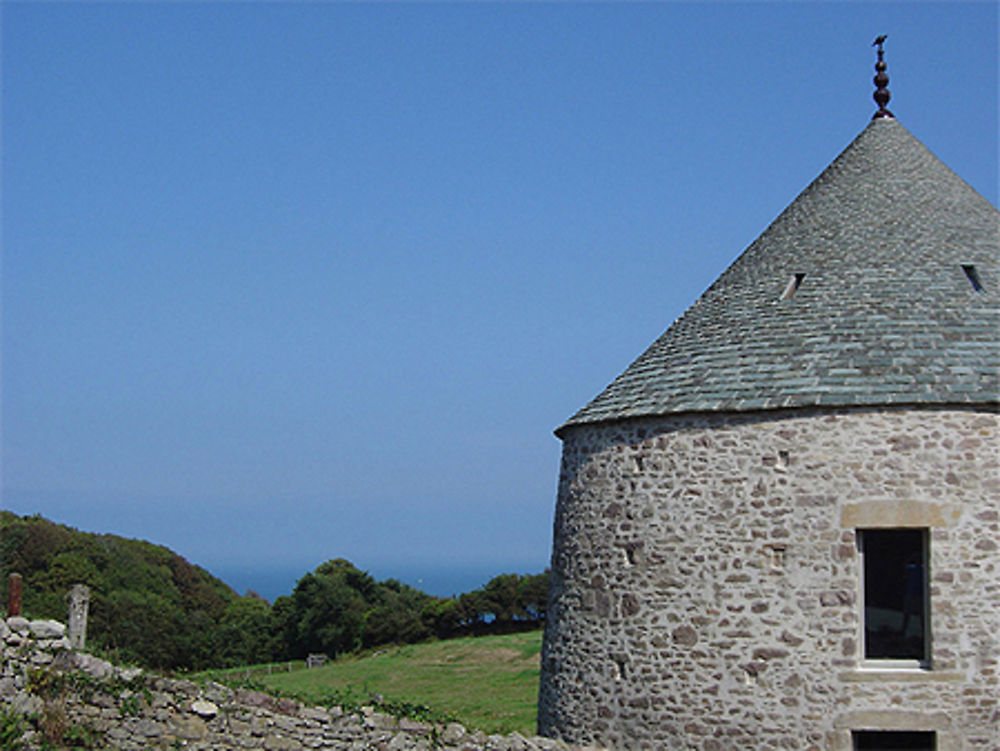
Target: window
{"points": [[893, 740], [973, 276], [792, 287], [894, 570]]}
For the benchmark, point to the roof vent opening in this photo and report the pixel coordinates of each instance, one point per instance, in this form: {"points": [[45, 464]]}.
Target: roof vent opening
{"points": [[792, 287], [973, 277]]}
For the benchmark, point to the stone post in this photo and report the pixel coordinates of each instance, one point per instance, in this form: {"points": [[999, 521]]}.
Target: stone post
{"points": [[78, 599], [13, 595]]}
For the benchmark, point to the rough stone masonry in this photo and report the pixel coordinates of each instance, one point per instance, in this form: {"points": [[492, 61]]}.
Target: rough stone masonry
{"points": [[706, 579], [74, 696]]}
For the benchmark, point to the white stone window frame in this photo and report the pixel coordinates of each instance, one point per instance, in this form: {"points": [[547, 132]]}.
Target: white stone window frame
{"points": [[946, 737], [924, 663], [898, 514]]}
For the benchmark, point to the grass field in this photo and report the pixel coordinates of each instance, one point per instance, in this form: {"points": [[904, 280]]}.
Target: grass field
{"points": [[488, 683]]}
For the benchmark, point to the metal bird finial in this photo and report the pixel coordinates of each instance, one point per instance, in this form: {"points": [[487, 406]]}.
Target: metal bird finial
{"points": [[881, 80]]}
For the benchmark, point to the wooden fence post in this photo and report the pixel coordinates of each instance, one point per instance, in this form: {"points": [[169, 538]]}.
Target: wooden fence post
{"points": [[13, 595]]}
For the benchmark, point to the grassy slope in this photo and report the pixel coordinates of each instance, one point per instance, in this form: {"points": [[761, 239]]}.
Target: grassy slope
{"points": [[488, 682]]}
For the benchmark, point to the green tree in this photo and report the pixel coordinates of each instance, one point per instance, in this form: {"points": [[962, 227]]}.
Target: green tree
{"points": [[283, 627], [471, 608], [329, 613], [244, 632], [442, 617], [142, 627], [398, 616], [533, 595], [500, 598]]}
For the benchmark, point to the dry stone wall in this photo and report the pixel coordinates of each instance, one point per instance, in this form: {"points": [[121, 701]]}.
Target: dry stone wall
{"points": [[706, 584], [87, 702]]}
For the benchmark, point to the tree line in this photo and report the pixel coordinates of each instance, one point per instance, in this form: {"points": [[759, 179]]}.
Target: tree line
{"points": [[151, 607]]}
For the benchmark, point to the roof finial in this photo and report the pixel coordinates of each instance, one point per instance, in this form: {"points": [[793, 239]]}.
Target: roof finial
{"points": [[881, 80]]}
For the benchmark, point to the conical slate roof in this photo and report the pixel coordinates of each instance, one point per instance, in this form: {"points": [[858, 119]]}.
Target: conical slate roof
{"points": [[896, 259]]}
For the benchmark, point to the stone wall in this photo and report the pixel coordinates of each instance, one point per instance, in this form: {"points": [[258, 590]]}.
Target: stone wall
{"points": [[87, 702], [706, 584]]}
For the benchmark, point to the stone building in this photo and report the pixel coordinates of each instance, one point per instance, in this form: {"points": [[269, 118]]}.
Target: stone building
{"points": [[780, 526]]}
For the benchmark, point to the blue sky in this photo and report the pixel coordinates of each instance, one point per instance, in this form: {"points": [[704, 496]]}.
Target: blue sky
{"points": [[289, 282]]}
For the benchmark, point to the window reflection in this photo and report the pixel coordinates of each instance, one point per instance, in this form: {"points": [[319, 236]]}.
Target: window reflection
{"points": [[895, 593]]}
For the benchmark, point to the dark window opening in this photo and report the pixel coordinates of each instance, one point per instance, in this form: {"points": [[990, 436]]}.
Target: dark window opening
{"points": [[895, 593], [894, 740], [793, 286], [973, 276]]}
